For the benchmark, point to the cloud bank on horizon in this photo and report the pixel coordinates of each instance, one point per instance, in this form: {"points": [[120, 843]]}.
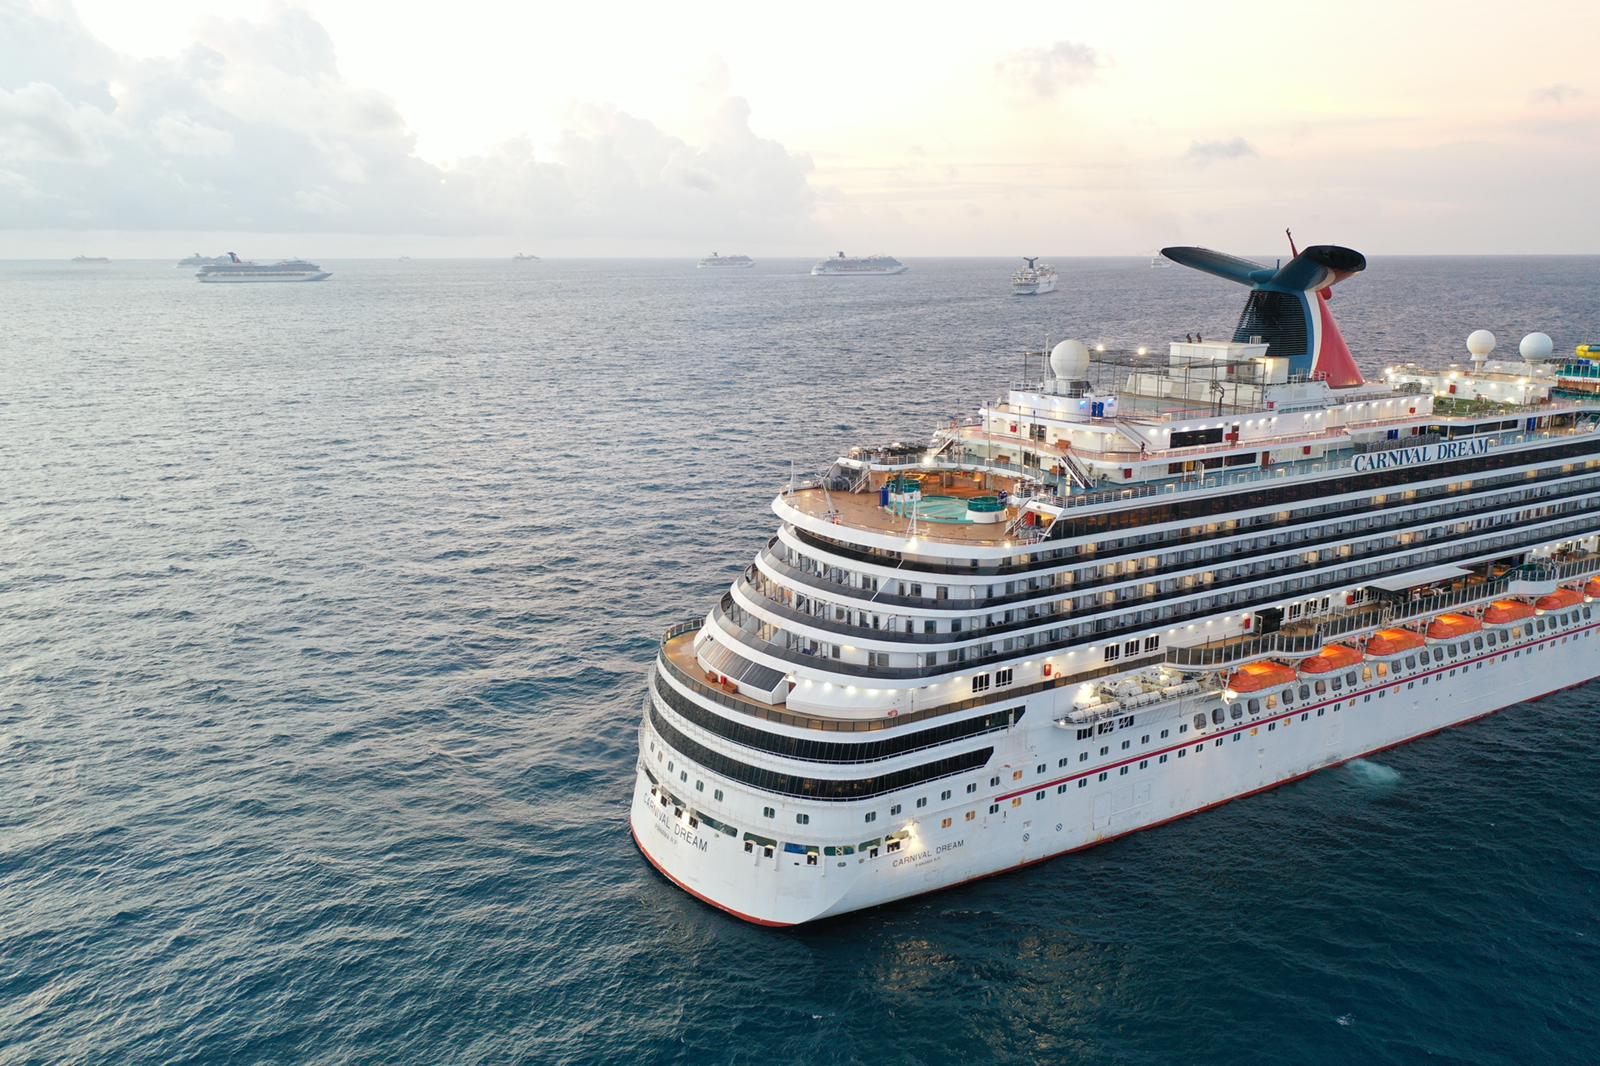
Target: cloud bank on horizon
{"points": [[1087, 136], [252, 128]]}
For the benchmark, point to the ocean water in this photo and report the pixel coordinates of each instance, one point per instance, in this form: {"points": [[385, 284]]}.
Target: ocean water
{"points": [[324, 618]]}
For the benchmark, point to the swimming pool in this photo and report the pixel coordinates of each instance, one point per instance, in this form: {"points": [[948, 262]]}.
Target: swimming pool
{"points": [[935, 509]]}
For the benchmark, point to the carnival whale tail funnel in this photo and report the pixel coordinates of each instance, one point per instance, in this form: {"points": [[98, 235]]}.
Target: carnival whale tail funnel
{"points": [[1288, 306]]}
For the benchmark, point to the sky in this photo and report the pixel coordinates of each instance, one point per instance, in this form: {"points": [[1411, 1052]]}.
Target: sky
{"points": [[349, 127]]}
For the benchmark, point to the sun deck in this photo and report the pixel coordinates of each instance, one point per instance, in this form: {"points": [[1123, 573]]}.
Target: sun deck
{"points": [[861, 510]]}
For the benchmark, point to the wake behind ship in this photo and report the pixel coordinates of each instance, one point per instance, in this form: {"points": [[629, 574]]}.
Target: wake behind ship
{"points": [[235, 270], [1131, 590]]}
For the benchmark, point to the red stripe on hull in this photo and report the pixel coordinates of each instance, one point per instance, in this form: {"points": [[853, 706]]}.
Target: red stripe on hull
{"points": [[702, 898], [1109, 839]]}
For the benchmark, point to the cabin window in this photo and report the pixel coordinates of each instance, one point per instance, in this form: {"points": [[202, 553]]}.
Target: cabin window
{"points": [[1217, 716], [1255, 706], [1305, 692], [1236, 711], [1288, 695], [1322, 688], [802, 819], [1272, 703], [769, 812], [870, 816]]}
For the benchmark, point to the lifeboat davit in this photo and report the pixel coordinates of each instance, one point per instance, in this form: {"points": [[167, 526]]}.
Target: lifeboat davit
{"points": [[1592, 589], [1558, 600], [1447, 626], [1394, 642], [1257, 676], [1333, 657], [1504, 612]]}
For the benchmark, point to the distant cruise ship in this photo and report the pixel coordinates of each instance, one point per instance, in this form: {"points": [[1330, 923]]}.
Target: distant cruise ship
{"points": [[90, 259], [524, 257], [1034, 279], [1092, 610], [198, 260], [844, 265], [234, 269], [715, 260]]}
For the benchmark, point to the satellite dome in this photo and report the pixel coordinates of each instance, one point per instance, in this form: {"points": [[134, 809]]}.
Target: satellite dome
{"points": [[1480, 343], [1069, 361], [1536, 347]]}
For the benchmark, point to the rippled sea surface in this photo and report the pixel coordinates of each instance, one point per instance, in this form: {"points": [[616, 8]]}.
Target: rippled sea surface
{"points": [[324, 618]]}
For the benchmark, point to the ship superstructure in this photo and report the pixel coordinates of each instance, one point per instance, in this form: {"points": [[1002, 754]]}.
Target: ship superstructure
{"points": [[842, 265], [1035, 279], [1132, 588]]}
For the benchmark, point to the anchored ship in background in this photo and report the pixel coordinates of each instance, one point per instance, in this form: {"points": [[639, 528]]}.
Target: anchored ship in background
{"points": [[723, 261], [234, 270], [1034, 279], [842, 265], [1134, 588]]}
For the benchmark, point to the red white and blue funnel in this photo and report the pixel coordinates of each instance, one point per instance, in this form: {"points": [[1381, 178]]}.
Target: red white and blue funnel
{"points": [[1280, 311]]}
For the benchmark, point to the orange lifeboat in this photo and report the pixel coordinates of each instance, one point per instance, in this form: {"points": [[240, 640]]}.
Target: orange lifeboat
{"points": [[1394, 642], [1333, 657], [1592, 589], [1504, 612], [1257, 676], [1447, 626], [1558, 600]]}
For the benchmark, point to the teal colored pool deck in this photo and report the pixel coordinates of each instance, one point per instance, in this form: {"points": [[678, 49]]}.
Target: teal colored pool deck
{"points": [[951, 509]]}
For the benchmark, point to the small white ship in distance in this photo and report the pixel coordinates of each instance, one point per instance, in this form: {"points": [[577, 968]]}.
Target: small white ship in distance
{"points": [[198, 260], [715, 260], [524, 257], [235, 270], [1033, 279], [1159, 262], [842, 265]]}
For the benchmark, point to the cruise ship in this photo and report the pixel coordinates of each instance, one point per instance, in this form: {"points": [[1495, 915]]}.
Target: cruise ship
{"points": [[1033, 279], [715, 260], [234, 270], [197, 260], [1128, 590], [843, 265]]}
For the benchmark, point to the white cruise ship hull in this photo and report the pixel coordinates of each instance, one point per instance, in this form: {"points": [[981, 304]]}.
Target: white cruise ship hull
{"points": [[820, 272], [1237, 759], [1033, 288], [240, 279]]}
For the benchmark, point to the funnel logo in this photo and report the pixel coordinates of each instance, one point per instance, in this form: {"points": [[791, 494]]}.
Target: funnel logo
{"points": [[1288, 306]]}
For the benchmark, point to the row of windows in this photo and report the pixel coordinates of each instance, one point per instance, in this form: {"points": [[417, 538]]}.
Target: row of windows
{"points": [[791, 747], [1327, 546], [1536, 529], [1269, 496], [784, 784]]}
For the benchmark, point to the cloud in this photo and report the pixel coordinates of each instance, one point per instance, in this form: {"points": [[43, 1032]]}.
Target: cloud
{"points": [[1559, 93], [1204, 153], [1046, 73], [253, 127], [38, 124]]}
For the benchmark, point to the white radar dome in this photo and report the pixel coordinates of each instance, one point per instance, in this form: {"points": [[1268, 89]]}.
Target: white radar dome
{"points": [[1480, 342], [1536, 347], [1069, 361]]}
